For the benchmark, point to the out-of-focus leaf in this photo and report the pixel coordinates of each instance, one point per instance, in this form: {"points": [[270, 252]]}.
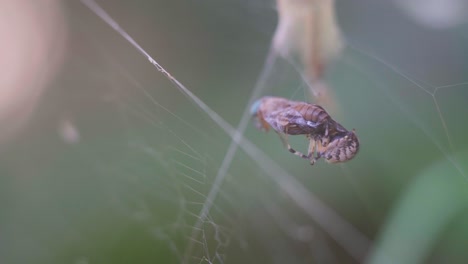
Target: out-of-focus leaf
{"points": [[427, 206]]}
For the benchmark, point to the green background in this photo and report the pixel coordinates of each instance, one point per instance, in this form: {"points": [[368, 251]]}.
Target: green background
{"points": [[131, 189]]}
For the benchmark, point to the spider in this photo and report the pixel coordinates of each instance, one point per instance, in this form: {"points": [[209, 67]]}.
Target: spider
{"points": [[327, 138]]}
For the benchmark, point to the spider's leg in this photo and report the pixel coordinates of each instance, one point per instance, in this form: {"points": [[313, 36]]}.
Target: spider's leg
{"points": [[284, 139], [325, 136], [318, 150], [311, 150]]}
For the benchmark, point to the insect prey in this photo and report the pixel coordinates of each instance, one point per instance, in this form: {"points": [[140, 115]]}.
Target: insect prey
{"points": [[327, 138]]}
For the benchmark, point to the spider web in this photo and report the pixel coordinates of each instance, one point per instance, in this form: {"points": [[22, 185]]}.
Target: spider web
{"points": [[155, 171]]}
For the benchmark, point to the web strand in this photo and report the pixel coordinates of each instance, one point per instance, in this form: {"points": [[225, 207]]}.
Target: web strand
{"points": [[232, 149], [410, 116]]}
